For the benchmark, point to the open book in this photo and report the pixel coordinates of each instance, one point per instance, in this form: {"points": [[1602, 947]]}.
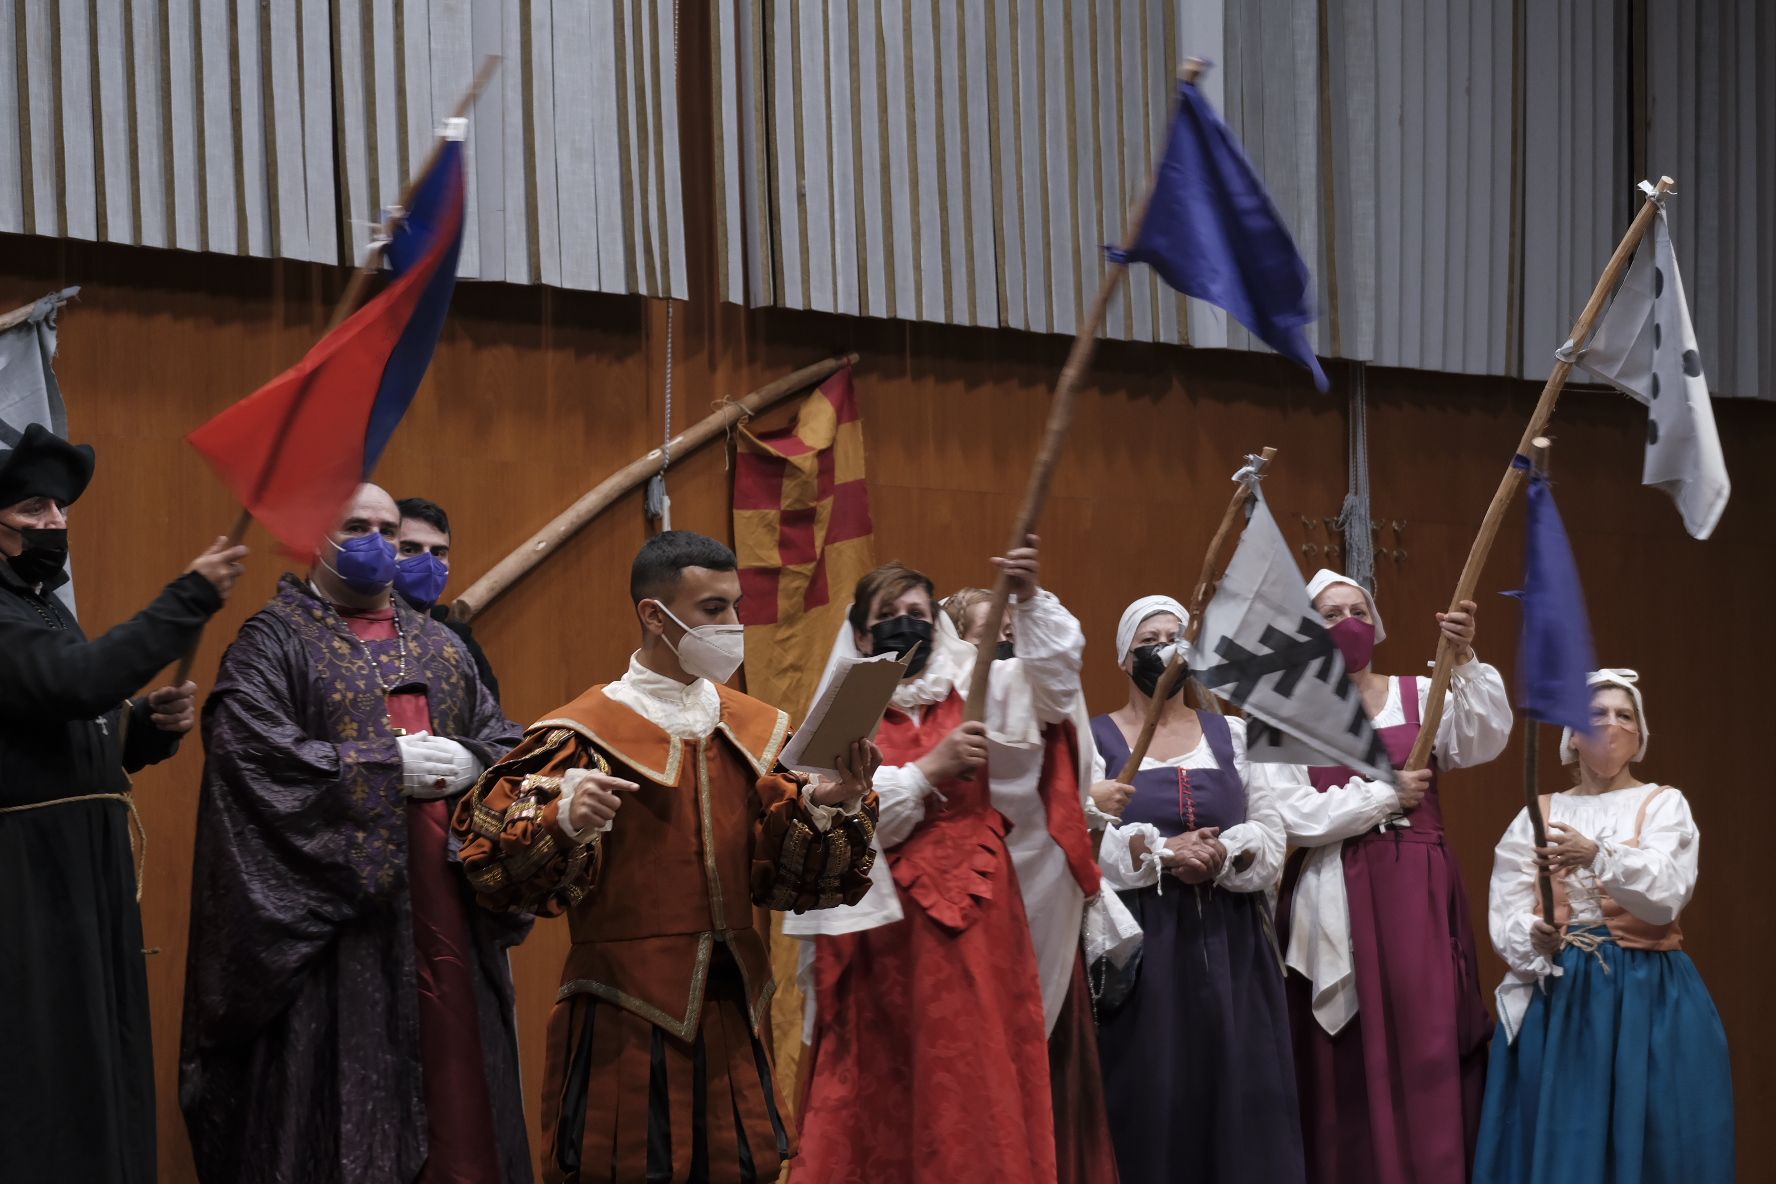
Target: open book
{"points": [[848, 709]]}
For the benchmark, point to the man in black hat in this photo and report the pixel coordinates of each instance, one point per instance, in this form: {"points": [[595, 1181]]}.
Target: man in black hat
{"points": [[77, 1079]]}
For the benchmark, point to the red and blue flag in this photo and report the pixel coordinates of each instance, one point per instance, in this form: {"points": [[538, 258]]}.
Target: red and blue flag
{"points": [[293, 450]]}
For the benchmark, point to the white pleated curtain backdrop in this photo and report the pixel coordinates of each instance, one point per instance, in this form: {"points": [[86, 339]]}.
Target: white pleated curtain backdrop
{"points": [[1455, 172], [282, 128]]}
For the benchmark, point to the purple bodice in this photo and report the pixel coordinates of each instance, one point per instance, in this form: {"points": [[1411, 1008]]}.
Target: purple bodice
{"points": [[1427, 818], [1178, 800]]}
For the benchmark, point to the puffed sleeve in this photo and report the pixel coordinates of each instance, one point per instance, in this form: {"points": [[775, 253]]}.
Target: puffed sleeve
{"points": [[1095, 819], [1655, 880], [1050, 648], [1315, 819], [509, 839], [1476, 722], [1116, 864], [901, 793], [1261, 834], [1511, 900], [802, 860]]}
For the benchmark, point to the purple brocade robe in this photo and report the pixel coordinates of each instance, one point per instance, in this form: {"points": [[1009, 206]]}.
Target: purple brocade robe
{"points": [[299, 1060]]}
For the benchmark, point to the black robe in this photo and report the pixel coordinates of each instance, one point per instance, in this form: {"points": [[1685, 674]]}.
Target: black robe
{"points": [[299, 1060], [77, 1071]]}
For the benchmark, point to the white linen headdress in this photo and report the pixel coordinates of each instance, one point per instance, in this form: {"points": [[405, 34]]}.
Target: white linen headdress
{"points": [[1137, 613], [1610, 676], [1326, 577]]}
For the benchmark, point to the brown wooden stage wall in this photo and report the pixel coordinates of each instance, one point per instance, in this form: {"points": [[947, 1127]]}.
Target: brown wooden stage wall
{"points": [[535, 395]]}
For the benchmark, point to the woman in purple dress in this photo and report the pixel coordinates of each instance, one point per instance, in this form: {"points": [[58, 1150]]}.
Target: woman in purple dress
{"points": [[1198, 1076], [1390, 1029]]}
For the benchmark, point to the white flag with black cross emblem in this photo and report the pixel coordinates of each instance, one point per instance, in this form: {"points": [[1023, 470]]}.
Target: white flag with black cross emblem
{"points": [[1264, 647], [1646, 347]]}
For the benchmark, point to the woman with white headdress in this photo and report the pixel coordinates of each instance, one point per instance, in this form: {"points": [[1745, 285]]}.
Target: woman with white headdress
{"points": [[1197, 1065], [1058, 908], [1613, 1065], [927, 1050], [1390, 1027]]}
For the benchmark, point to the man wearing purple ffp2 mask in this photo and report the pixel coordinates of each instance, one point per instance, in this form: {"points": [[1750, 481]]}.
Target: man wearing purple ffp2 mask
{"points": [[342, 728], [422, 569]]}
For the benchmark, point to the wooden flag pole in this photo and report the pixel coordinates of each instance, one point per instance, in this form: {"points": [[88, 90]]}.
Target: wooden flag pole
{"points": [[348, 302], [1538, 423], [372, 263], [563, 526], [1531, 749], [1199, 600], [1060, 419]]}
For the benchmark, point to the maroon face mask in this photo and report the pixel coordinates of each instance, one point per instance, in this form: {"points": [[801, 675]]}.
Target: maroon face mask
{"points": [[1355, 639]]}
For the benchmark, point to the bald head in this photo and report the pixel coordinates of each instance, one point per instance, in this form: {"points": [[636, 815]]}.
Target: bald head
{"points": [[370, 507]]}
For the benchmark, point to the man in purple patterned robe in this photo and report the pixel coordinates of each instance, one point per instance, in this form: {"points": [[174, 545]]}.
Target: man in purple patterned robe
{"points": [[348, 1008]]}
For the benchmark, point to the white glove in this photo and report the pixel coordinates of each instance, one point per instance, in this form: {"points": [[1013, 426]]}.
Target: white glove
{"points": [[435, 766]]}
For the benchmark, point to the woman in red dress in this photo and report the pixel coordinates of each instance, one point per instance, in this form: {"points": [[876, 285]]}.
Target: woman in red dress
{"points": [[928, 1051]]}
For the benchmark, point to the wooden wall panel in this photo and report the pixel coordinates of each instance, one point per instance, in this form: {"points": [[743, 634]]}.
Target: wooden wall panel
{"points": [[537, 394]]}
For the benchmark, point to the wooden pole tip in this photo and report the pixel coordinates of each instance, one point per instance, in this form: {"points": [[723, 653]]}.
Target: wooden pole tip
{"points": [[1666, 184], [1192, 69], [1538, 455]]}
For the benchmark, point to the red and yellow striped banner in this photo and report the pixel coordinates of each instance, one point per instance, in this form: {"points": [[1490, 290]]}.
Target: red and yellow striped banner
{"points": [[803, 537]]}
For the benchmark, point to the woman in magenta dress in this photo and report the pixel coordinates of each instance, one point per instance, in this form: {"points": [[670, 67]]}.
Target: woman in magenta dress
{"points": [[1385, 1002]]}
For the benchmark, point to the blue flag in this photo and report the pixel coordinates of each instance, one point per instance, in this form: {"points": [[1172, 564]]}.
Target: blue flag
{"points": [[1211, 232], [1555, 653]]}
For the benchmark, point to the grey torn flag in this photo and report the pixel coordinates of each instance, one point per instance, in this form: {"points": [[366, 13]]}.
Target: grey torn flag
{"points": [[29, 392], [1264, 648]]}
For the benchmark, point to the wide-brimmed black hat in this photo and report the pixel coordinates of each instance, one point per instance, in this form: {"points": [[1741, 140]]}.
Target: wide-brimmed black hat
{"points": [[42, 464]]}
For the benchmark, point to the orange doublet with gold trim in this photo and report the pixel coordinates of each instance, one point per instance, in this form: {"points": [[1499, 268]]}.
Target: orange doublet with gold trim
{"points": [[712, 831], [665, 993]]}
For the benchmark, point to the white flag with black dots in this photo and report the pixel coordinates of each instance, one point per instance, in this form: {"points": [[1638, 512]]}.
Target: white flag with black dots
{"points": [[1646, 347], [1264, 647]]}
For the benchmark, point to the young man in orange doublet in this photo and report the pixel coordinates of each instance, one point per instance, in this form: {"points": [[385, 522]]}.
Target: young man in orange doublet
{"points": [[653, 811]]}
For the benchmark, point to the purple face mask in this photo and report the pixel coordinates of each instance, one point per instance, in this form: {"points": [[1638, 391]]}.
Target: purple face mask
{"points": [[421, 578], [366, 563]]}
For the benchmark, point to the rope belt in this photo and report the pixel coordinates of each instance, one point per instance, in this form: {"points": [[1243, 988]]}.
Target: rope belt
{"points": [[138, 833], [1590, 941]]}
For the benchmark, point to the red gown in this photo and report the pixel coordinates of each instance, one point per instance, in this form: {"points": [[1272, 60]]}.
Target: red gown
{"points": [[460, 1140], [929, 1059]]}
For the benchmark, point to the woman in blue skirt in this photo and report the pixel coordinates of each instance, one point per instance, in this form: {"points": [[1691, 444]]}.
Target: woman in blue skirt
{"points": [[1610, 1064]]}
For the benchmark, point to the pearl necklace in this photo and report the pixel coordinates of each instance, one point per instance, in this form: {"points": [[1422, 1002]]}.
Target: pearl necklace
{"points": [[401, 657], [386, 688]]}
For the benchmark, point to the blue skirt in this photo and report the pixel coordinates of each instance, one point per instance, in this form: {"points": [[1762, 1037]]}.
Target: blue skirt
{"points": [[1617, 1078]]}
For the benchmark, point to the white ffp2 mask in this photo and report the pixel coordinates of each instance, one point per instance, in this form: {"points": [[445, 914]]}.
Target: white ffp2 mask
{"points": [[708, 651]]}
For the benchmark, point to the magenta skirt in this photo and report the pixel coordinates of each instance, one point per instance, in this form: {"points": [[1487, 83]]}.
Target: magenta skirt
{"points": [[1395, 1097]]}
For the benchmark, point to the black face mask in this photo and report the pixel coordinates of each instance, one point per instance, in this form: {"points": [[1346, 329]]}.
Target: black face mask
{"points": [[44, 556], [900, 634], [1148, 667], [1005, 650]]}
